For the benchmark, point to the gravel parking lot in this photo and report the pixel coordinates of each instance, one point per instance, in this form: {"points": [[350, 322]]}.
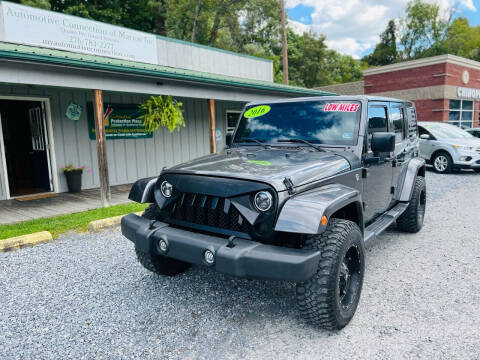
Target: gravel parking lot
{"points": [[85, 296]]}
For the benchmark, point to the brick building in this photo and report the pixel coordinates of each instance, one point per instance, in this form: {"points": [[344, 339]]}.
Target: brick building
{"points": [[444, 88]]}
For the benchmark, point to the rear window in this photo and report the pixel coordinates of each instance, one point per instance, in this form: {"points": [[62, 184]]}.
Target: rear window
{"points": [[398, 123], [320, 122], [412, 122]]}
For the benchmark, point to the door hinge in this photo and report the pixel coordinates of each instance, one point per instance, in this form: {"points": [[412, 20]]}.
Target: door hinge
{"points": [[289, 185], [392, 190], [364, 173]]}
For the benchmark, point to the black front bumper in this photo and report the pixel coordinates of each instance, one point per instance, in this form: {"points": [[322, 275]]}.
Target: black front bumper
{"points": [[245, 258]]}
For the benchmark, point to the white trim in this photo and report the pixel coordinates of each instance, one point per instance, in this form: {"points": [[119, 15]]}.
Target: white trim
{"points": [[4, 162], [51, 147], [51, 150], [451, 59]]}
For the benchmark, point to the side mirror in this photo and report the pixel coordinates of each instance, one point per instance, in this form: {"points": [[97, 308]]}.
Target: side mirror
{"points": [[425, 137], [229, 138], [383, 142]]}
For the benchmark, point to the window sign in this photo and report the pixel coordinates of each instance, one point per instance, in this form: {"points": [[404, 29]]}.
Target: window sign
{"points": [[218, 134], [121, 122], [48, 29], [461, 113], [74, 111]]}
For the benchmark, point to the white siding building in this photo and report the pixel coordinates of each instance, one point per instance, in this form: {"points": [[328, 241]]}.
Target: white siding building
{"points": [[50, 62]]}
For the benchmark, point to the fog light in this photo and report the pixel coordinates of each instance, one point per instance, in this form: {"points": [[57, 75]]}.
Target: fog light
{"points": [[209, 257], [162, 245]]}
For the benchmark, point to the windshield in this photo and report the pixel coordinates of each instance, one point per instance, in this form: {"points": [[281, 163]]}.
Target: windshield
{"points": [[319, 122], [447, 131]]}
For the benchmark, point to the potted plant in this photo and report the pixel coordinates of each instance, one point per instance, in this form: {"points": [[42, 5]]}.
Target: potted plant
{"points": [[74, 177]]}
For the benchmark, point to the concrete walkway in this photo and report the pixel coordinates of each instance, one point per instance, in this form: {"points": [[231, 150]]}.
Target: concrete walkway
{"points": [[13, 211]]}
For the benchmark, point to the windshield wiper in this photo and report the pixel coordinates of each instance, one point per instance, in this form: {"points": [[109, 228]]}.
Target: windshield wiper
{"points": [[250, 140], [301, 141]]}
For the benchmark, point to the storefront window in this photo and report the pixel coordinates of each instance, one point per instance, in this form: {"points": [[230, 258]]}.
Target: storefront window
{"points": [[232, 119], [461, 113]]}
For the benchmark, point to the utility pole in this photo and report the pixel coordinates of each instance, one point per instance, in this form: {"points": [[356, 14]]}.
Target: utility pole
{"points": [[284, 43]]}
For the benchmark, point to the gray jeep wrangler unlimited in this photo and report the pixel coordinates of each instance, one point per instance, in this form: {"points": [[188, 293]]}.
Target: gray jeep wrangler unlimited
{"points": [[302, 186]]}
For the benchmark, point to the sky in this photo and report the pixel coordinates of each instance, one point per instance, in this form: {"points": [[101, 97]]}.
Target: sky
{"points": [[353, 26]]}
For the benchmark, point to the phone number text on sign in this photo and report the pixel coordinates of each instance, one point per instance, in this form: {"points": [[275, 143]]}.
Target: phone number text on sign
{"points": [[341, 107]]}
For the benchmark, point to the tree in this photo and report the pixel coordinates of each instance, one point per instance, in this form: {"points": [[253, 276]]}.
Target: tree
{"points": [[422, 29], [312, 64], [41, 4], [386, 50], [462, 39]]}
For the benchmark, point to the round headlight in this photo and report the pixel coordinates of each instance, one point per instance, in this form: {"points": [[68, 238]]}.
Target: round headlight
{"points": [[166, 189], [263, 201]]}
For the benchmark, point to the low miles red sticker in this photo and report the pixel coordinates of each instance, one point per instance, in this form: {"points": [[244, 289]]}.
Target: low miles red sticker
{"points": [[341, 107]]}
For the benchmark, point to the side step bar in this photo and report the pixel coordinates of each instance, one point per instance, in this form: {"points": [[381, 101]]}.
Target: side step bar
{"points": [[384, 221]]}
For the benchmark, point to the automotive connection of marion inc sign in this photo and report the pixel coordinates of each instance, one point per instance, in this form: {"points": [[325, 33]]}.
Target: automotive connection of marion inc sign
{"points": [[29, 26]]}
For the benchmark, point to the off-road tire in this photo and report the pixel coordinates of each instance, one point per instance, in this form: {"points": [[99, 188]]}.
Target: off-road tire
{"points": [[318, 299], [412, 219], [448, 159], [157, 263]]}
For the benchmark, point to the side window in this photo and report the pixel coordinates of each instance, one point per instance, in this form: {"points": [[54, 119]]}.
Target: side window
{"points": [[423, 131], [398, 123], [377, 121]]}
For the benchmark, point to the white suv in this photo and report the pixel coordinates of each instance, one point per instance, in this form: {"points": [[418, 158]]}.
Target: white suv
{"points": [[448, 147]]}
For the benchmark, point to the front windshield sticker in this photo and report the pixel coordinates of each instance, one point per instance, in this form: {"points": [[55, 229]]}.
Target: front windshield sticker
{"points": [[260, 162], [341, 107], [347, 136], [257, 111]]}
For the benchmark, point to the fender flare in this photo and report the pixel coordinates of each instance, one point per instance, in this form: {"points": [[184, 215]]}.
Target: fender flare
{"points": [[303, 213], [415, 166], [142, 190]]}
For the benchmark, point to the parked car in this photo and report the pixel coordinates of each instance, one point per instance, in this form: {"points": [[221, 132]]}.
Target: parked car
{"points": [[447, 147], [474, 131], [303, 185]]}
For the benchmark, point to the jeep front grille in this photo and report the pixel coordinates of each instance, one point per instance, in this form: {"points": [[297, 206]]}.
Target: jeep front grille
{"points": [[211, 211]]}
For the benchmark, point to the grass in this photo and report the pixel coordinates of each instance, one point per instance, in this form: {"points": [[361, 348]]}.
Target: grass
{"points": [[58, 225]]}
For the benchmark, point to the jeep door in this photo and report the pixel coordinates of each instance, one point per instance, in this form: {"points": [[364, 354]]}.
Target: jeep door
{"points": [[404, 148], [377, 187]]}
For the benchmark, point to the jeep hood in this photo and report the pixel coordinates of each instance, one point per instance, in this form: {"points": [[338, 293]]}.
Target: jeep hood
{"points": [[271, 166]]}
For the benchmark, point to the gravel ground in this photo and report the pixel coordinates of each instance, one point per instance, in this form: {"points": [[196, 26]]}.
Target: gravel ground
{"points": [[85, 296]]}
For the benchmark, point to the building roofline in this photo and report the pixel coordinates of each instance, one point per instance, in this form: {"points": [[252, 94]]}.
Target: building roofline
{"points": [[64, 58], [189, 43], [440, 59], [185, 42]]}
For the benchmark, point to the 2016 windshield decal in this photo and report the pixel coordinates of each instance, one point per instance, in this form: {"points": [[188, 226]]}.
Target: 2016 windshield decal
{"points": [[341, 107], [257, 111]]}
